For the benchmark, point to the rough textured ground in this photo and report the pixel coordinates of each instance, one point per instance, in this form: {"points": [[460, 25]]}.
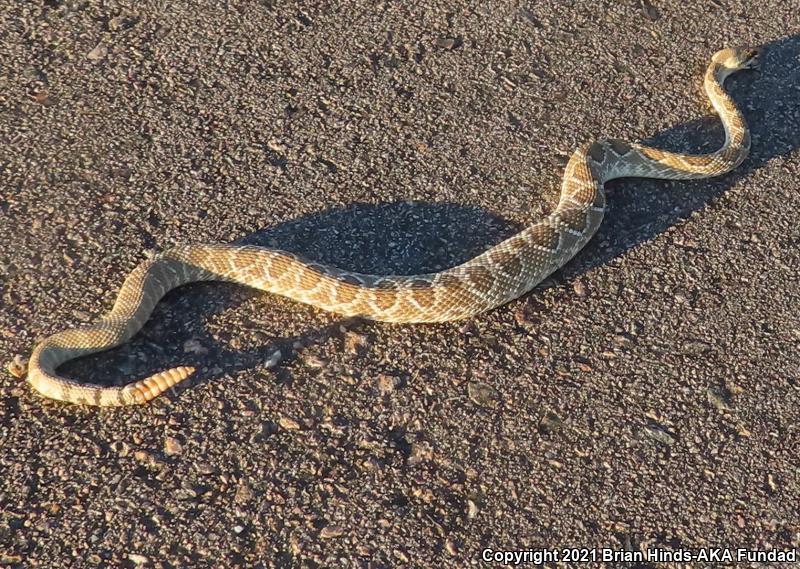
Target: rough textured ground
{"points": [[647, 395]]}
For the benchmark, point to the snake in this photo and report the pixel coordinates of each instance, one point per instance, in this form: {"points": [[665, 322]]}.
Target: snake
{"points": [[500, 274]]}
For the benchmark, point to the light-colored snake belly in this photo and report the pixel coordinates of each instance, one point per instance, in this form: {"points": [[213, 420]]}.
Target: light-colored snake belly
{"points": [[493, 278]]}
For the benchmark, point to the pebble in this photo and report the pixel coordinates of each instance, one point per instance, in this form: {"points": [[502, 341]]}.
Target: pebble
{"points": [[42, 97], [121, 448], [243, 493], [624, 340], [450, 547], [483, 394], [580, 289], [289, 424], [719, 397], [771, 485], [354, 342], [121, 22], [387, 383], [527, 315], [650, 11], [314, 362], [194, 346], [659, 434], [329, 532], [138, 559], [550, 423], [696, 348], [148, 459], [98, 53], [273, 360], [82, 315], [448, 43], [17, 367], [34, 74], [172, 446], [205, 468]]}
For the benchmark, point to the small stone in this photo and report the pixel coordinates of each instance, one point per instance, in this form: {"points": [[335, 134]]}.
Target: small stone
{"points": [[98, 53], [659, 433], [289, 424], [448, 43], [42, 97], [771, 485], [550, 423], [17, 366], [483, 394], [121, 448], [138, 559], [34, 74], [273, 360], [238, 529], [172, 446], [122, 22], [82, 315], [527, 315], [354, 342], [450, 547], [142, 456], [330, 532], [243, 493], [624, 340], [472, 509], [205, 468], [314, 362], [387, 383], [696, 348], [52, 507], [268, 429], [148, 459], [194, 346], [187, 491], [650, 11], [719, 397], [580, 289]]}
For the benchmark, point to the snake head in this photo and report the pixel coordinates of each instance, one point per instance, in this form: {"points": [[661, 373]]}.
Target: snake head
{"points": [[736, 58]]}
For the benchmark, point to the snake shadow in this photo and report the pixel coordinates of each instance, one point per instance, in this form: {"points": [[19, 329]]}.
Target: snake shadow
{"points": [[414, 237]]}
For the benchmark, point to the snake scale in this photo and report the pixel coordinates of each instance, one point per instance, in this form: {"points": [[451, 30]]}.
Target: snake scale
{"points": [[491, 279]]}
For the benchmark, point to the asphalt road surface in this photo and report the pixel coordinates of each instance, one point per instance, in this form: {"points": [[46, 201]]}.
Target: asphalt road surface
{"points": [[646, 396]]}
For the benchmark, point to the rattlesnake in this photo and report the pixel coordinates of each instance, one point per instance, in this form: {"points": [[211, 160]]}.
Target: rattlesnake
{"points": [[495, 277]]}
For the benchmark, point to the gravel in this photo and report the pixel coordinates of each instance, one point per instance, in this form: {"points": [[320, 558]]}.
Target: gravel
{"points": [[647, 395]]}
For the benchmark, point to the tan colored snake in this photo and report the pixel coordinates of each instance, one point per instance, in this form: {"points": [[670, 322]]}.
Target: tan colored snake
{"points": [[495, 277]]}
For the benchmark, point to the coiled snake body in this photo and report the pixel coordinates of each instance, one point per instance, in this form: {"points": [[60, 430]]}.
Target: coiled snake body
{"points": [[495, 277]]}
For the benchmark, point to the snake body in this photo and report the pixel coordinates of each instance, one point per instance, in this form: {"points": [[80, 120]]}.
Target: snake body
{"points": [[491, 279]]}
